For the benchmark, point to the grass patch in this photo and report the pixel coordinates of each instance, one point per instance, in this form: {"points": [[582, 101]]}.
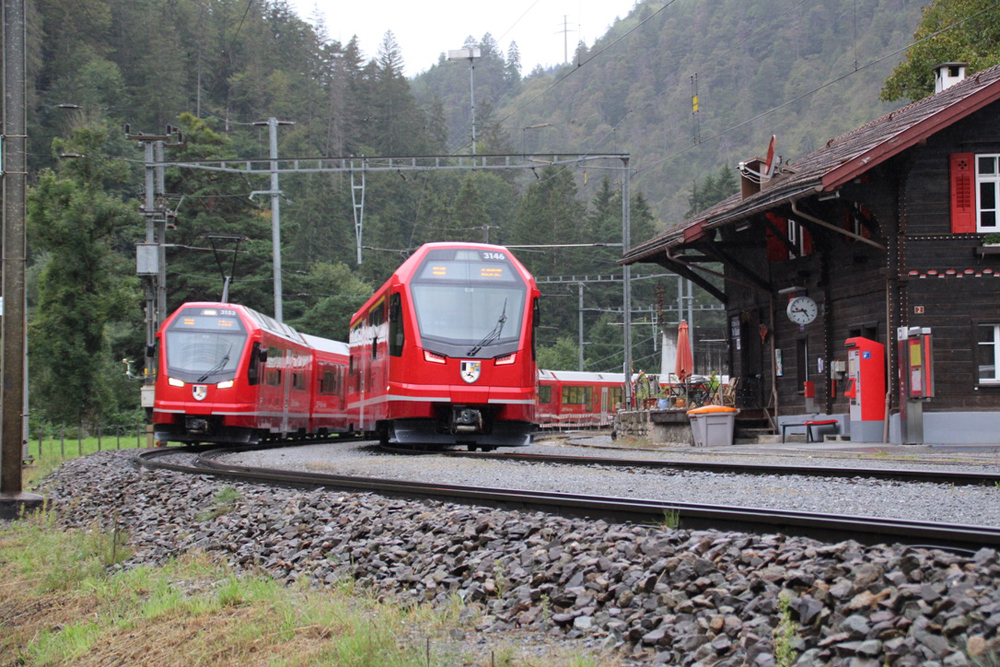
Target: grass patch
{"points": [[66, 600], [224, 502]]}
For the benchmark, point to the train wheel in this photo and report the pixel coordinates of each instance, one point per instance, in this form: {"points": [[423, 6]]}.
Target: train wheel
{"points": [[384, 433]]}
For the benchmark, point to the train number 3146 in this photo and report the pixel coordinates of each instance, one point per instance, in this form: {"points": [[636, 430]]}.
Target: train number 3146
{"points": [[494, 255]]}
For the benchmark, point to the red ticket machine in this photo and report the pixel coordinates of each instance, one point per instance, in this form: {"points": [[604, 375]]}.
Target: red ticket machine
{"points": [[866, 388]]}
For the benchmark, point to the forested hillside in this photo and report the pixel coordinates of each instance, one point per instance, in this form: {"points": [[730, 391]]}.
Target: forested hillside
{"points": [[805, 70]]}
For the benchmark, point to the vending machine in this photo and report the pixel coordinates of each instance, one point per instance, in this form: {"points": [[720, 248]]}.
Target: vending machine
{"points": [[866, 388], [916, 380]]}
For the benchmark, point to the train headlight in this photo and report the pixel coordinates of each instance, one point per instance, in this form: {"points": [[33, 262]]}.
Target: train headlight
{"points": [[506, 361], [225, 385], [175, 383], [433, 358]]}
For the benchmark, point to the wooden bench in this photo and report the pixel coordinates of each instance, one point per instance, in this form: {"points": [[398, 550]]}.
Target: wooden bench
{"points": [[809, 427]]}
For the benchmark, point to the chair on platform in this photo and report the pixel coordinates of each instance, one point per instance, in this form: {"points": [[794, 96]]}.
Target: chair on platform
{"points": [[727, 393]]}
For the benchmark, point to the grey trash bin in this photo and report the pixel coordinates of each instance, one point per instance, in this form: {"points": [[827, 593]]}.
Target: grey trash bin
{"points": [[713, 425]]}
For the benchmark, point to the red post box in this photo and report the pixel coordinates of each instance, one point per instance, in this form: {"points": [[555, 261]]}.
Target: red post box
{"points": [[866, 388]]}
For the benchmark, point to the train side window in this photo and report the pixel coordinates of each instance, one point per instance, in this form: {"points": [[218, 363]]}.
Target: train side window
{"points": [[272, 375], [253, 369], [545, 394], [573, 395], [396, 334], [299, 381], [616, 396], [376, 317], [536, 320]]}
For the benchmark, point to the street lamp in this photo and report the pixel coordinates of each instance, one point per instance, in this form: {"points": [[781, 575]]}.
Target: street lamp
{"points": [[470, 54]]}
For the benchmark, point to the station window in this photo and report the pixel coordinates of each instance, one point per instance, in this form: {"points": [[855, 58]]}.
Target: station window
{"points": [[975, 192], [988, 353], [987, 192]]}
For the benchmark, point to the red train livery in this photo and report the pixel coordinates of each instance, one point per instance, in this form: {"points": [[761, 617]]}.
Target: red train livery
{"points": [[444, 352], [230, 374], [574, 398]]}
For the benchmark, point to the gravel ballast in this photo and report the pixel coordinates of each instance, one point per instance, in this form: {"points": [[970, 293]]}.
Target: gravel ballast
{"points": [[650, 594], [944, 503]]}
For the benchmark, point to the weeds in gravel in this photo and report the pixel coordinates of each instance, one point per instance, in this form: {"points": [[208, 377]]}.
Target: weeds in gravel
{"points": [[225, 499], [671, 518], [784, 634]]}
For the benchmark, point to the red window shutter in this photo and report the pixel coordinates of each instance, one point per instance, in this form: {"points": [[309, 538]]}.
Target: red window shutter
{"points": [[777, 251], [963, 197]]}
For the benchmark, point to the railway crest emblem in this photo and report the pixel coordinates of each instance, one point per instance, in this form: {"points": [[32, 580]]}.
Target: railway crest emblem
{"points": [[199, 391], [470, 370]]}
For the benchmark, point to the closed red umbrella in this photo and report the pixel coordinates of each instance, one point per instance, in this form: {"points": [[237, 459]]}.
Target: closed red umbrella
{"points": [[685, 361]]}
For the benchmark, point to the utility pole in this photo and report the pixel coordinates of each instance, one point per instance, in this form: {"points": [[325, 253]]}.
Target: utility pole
{"points": [[150, 256], [272, 132], [627, 276], [579, 364], [13, 500], [565, 32], [470, 54]]}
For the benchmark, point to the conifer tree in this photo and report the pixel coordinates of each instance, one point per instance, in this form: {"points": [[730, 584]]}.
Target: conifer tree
{"points": [[76, 221]]}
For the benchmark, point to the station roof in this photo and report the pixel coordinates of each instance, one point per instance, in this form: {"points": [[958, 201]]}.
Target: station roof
{"points": [[838, 162]]}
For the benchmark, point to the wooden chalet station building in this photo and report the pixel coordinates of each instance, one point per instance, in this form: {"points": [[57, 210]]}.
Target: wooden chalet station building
{"points": [[861, 285]]}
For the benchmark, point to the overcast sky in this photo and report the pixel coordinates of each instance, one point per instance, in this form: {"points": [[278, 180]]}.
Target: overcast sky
{"points": [[543, 29]]}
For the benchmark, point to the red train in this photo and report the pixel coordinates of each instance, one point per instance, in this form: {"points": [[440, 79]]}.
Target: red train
{"points": [[230, 374], [574, 399], [442, 354]]}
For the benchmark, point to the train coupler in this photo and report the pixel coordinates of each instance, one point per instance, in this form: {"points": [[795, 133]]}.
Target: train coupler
{"points": [[466, 420], [197, 425]]}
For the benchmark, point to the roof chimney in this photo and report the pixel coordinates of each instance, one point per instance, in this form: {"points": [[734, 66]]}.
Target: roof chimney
{"points": [[947, 75]]}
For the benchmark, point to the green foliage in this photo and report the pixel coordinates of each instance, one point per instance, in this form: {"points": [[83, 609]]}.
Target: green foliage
{"points": [[785, 633], [338, 294], [950, 31], [714, 188], [83, 287], [562, 356]]}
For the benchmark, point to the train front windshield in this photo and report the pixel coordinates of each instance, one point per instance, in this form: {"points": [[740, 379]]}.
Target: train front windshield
{"points": [[204, 345], [469, 303]]}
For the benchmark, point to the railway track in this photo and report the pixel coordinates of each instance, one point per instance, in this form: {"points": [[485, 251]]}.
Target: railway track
{"points": [[913, 475], [821, 526]]}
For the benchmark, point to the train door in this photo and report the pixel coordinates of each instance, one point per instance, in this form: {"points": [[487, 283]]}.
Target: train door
{"points": [[377, 376], [356, 382], [272, 393], [288, 364]]}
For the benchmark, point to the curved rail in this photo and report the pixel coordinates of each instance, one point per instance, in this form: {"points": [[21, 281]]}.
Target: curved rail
{"points": [[958, 478], [826, 527]]}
